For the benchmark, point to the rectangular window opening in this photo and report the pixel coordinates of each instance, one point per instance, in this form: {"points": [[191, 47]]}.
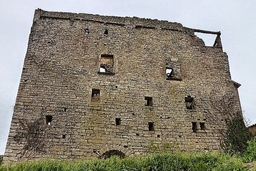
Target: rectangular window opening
{"points": [[151, 126], [118, 121], [202, 126], [95, 95], [194, 126], [48, 119], [189, 102], [149, 101], [107, 64], [169, 72], [206, 39], [172, 70]]}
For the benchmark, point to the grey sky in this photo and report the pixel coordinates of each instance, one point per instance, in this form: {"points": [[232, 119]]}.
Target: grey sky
{"points": [[236, 19]]}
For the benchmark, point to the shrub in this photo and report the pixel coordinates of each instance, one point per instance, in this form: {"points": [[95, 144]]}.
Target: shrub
{"points": [[236, 136], [1, 159], [156, 162], [250, 153], [153, 148]]}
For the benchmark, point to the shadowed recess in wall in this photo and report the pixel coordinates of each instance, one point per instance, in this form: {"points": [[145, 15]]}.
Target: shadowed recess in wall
{"points": [[111, 153]]}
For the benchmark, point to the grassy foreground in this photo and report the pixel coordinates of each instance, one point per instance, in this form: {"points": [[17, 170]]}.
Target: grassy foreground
{"points": [[161, 162]]}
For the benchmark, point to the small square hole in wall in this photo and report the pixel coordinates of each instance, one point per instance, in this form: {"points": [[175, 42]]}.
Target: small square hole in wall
{"points": [[106, 32], [194, 126], [189, 102], [202, 126], [151, 126], [95, 95], [149, 101], [87, 31], [118, 121], [63, 136], [48, 119]]}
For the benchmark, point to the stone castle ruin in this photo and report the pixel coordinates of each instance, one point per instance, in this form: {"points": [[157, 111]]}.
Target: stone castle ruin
{"points": [[94, 86]]}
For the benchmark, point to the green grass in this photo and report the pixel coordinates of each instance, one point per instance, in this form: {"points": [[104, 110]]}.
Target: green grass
{"points": [[161, 162]]}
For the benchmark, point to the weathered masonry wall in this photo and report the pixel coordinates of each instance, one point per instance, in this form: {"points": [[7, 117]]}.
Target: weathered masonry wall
{"points": [[252, 129], [94, 85]]}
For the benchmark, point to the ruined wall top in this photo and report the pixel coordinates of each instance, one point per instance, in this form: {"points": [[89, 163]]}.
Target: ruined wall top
{"points": [[126, 21], [39, 13]]}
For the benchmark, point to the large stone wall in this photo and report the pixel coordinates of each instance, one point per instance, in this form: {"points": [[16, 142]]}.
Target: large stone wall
{"points": [[92, 84]]}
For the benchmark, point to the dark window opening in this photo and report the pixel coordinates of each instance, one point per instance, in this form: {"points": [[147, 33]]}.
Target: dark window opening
{"points": [[151, 126], [137, 134], [95, 95], [202, 126], [48, 119], [194, 126], [189, 102], [125, 146], [118, 121], [169, 72], [63, 136], [106, 32], [158, 136], [87, 31], [107, 64], [149, 101], [65, 109], [112, 153]]}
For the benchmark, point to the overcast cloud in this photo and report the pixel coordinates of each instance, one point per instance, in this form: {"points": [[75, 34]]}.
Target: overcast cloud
{"points": [[236, 19]]}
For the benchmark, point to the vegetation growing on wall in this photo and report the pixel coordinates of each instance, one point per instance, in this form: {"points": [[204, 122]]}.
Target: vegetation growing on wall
{"points": [[236, 136], [30, 135]]}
